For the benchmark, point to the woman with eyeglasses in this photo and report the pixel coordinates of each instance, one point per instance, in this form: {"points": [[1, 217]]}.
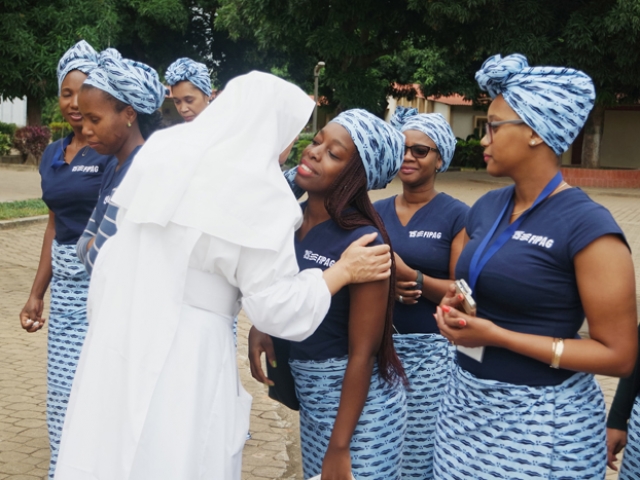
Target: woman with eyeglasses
{"points": [[426, 229], [539, 257], [190, 87]]}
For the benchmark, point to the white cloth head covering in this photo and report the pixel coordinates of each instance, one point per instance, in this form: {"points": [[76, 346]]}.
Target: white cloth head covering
{"points": [[219, 174]]}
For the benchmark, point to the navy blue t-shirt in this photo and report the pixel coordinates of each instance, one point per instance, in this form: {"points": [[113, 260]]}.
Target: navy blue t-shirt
{"points": [[423, 244], [529, 285], [113, 175], [321, 248], [70, 190]]}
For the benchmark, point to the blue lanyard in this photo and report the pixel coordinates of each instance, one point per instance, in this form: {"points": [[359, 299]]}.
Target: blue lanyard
{"points": [[478, 261]]}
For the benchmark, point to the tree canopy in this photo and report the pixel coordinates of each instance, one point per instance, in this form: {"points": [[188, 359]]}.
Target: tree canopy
{"points": [[368, 45]]}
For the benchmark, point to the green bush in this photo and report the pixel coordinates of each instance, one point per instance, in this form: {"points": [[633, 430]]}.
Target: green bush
{"points": [[8, 129], [5, 144], [59, 130], [32, 140], [468, 154], [293, 159], [51, 111]]}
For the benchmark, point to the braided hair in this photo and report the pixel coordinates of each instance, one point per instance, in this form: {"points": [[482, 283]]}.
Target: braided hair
{"points": [[348, 204]]}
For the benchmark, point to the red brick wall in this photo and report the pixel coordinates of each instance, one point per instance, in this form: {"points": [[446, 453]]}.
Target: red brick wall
{"points": [[605, 178]]}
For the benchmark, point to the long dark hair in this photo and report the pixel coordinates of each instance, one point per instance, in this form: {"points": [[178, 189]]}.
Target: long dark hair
{"points": [[348, 204]]}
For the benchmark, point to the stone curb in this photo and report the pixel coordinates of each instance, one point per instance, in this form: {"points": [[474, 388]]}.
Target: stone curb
{"points": [[22, 222]]}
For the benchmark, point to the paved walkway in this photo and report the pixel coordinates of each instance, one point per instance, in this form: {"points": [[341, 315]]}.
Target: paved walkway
{"points": [[273, 451]]}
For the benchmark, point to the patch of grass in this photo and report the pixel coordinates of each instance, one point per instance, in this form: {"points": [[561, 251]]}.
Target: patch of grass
{"points": [[22, 208]]}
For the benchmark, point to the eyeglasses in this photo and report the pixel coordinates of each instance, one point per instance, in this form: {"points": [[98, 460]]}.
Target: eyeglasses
{"points": [[419, 151], [489, 126]]}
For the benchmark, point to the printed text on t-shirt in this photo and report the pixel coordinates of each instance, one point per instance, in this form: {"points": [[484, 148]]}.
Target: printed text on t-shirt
{"points": [[533, 239], [319, 259], [424, 234]]}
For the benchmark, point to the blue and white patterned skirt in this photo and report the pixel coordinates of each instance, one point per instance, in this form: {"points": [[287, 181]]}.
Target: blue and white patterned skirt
{"points": [[67, 330], [427, 360], [376, 445], [494, 430], [630, 468]]}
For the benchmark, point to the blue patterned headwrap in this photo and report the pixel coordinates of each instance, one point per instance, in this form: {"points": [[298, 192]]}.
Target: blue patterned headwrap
{"points": [[194, 72], [401, 115], [554, 101], [131, 82], [381, 147], [434, 126], [81, 57]]}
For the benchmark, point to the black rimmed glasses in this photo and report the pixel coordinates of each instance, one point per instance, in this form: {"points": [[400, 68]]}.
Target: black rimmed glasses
{"points": [[489, 126], [419, 151]]}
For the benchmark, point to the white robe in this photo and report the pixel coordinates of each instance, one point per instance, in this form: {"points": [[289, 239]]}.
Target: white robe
{"points": [[157, 394], [205, 225]]}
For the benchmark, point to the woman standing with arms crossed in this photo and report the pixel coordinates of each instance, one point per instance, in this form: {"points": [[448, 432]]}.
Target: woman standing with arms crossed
{"points": [[71, 174], [190, 87], [541, 256], [120, 101], [426, 229]]}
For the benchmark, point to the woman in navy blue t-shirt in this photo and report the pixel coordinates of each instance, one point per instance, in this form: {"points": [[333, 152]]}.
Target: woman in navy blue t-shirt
{"points": [[540, 256], [426, 229], [120, 102], [347, 374], [71, 173]]}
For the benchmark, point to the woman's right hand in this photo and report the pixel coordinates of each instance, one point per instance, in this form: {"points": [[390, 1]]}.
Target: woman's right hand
{"points": [[336, 464], [31, 315], [616, 441], [452, 298], [258, 343]]}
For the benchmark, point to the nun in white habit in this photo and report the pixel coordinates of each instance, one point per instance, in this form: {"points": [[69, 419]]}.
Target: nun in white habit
{"points": [[205, 227]]}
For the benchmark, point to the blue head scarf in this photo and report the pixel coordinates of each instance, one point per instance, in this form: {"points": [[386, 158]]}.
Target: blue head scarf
{"points": [[81, 57], [131, 82], [401, 115], [194, 72], [553, 101], [434, 126], [381, 147]]}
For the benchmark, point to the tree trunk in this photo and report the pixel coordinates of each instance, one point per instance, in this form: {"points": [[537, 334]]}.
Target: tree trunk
{"points": [[592, 138], [34, 111]]}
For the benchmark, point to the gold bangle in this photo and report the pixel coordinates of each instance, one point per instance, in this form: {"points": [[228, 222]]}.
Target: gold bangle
{"points": [[558, 348]]}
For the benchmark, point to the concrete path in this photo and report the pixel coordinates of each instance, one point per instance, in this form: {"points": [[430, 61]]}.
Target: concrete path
{"points": [[273, 451]]}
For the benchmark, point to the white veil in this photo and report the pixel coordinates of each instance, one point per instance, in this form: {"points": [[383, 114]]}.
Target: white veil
{"points": [[219, 174]]}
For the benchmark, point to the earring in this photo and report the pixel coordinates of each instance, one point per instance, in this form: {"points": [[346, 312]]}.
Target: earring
{"points": [[532, 143], [128, 124]]}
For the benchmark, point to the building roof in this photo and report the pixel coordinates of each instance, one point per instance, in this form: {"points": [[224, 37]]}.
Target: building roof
{"points": [[454, 99]]}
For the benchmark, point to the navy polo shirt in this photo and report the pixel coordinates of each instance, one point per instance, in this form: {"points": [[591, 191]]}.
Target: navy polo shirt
{"points": [[321, 248], [424, 244], [529, 285], [70, 190]]}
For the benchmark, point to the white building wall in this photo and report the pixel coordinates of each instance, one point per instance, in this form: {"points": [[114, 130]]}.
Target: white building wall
{"points": [[443, 109], [619, 146], [462, 120], [14, 111]]}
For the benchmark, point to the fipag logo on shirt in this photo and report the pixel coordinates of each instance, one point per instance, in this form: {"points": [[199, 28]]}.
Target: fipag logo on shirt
{"points": [[86, 168], [425, 234], [539, 240], [319, 259]]}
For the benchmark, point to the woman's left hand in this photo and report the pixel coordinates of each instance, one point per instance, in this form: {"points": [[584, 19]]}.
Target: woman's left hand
{"points": [[336, 464], [465, 330]]}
